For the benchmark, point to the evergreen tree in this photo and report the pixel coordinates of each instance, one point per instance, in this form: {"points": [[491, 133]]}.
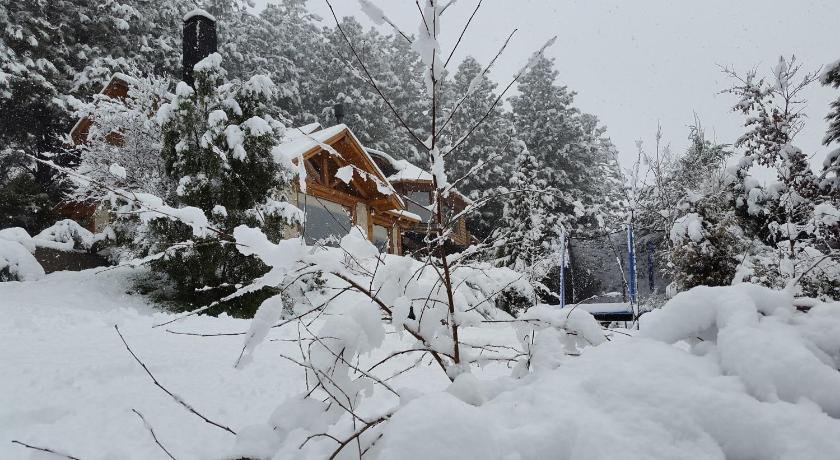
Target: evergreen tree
{"points": [[830, 178], [564, 160], [791, 223], [482, 164], [831, 77], [217, 142]]}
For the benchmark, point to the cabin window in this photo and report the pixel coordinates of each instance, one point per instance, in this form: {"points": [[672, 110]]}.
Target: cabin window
{"points": [[418, 203], [326, 222], [382, 238]]}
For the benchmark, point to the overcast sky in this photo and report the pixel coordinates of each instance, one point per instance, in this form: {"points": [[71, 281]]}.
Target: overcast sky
{"points": [[638, 63]]}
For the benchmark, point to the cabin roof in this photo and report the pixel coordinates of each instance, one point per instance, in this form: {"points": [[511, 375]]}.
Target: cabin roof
{"points": [[309, 140], [402, 171]]}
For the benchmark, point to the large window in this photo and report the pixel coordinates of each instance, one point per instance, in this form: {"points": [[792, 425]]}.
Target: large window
{"points": [[418, 203], [326, 222]]}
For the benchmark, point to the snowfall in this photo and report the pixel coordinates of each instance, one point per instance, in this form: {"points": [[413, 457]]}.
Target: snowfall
{"points": [[730, 372]]}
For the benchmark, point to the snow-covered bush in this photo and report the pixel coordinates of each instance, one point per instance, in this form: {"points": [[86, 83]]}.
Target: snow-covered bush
{"points": [[16, 260], [706, 242], [343, 321]]}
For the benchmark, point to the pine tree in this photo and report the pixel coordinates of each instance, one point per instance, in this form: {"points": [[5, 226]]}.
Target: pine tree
{"points": [[394, 66], [830, 180], [482, 164], [787, 221], [831, 77], [563, 164], [217, 142]]}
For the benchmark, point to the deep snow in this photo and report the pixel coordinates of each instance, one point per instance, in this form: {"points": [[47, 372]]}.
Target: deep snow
{"points": [[69, 384]]}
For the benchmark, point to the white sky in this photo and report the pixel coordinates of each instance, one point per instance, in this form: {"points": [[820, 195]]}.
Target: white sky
{"points": [[638, 63]]}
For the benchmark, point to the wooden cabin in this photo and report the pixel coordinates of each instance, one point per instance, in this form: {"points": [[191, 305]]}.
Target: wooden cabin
{"points": [[344, 187]]}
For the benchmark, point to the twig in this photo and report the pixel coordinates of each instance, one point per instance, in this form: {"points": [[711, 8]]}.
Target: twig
{"points": [[174, 396], [152, 431], [358, 433], [44, 449], [370, 77], [463, 31]]}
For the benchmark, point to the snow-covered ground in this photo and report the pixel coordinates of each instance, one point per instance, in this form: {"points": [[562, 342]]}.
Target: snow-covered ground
{"points": [[757, 386]]}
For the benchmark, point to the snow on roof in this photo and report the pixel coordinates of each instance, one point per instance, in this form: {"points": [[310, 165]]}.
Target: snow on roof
{"points": [[298, 141], [309, 136], [120, 76], [405, 170], [294, 133], [199, 12], [406, 214], [408, 172]]}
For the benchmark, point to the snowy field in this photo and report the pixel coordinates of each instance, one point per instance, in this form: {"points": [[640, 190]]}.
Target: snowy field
{"points": [[736, 384]]}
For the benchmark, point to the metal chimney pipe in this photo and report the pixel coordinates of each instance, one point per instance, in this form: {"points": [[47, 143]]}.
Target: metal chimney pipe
{"points": [[199, 41], [338, 110]]}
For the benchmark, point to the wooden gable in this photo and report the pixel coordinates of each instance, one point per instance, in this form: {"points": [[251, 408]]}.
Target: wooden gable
{"points": [[367, 184]]}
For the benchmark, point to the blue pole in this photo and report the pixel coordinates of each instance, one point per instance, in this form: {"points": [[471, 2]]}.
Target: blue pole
{"points": [[631, 253]]}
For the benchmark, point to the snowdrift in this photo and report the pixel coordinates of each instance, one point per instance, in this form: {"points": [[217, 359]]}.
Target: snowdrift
{"points": [[732, 372]]}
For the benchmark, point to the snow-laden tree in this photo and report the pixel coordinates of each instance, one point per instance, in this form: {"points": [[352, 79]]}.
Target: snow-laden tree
{"points": [[532, 229], [55, 53], [124, 141], [217, 151], [692, 201], [287, 44], [830, 176], [484, 161], [395, 68], [831, 77], [566, 163], [791, 219]]}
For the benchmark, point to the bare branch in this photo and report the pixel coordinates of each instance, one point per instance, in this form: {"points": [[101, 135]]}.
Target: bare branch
{"points": [[370, 78], [357, 434], [463, 30], [483, 73], [44, 449], [152, 431], [177, 398]]}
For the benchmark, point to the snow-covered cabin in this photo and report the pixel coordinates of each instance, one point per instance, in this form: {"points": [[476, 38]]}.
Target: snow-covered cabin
{"points": [[116, 88], [344, 186]]}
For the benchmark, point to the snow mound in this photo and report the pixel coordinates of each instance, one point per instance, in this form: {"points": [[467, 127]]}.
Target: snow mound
{"points": [[66, 235], [756, 334], [16, 259], [759, 385]]}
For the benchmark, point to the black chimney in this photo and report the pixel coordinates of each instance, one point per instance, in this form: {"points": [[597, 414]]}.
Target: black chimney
{"points": [[199, 40], [338, 110]]}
